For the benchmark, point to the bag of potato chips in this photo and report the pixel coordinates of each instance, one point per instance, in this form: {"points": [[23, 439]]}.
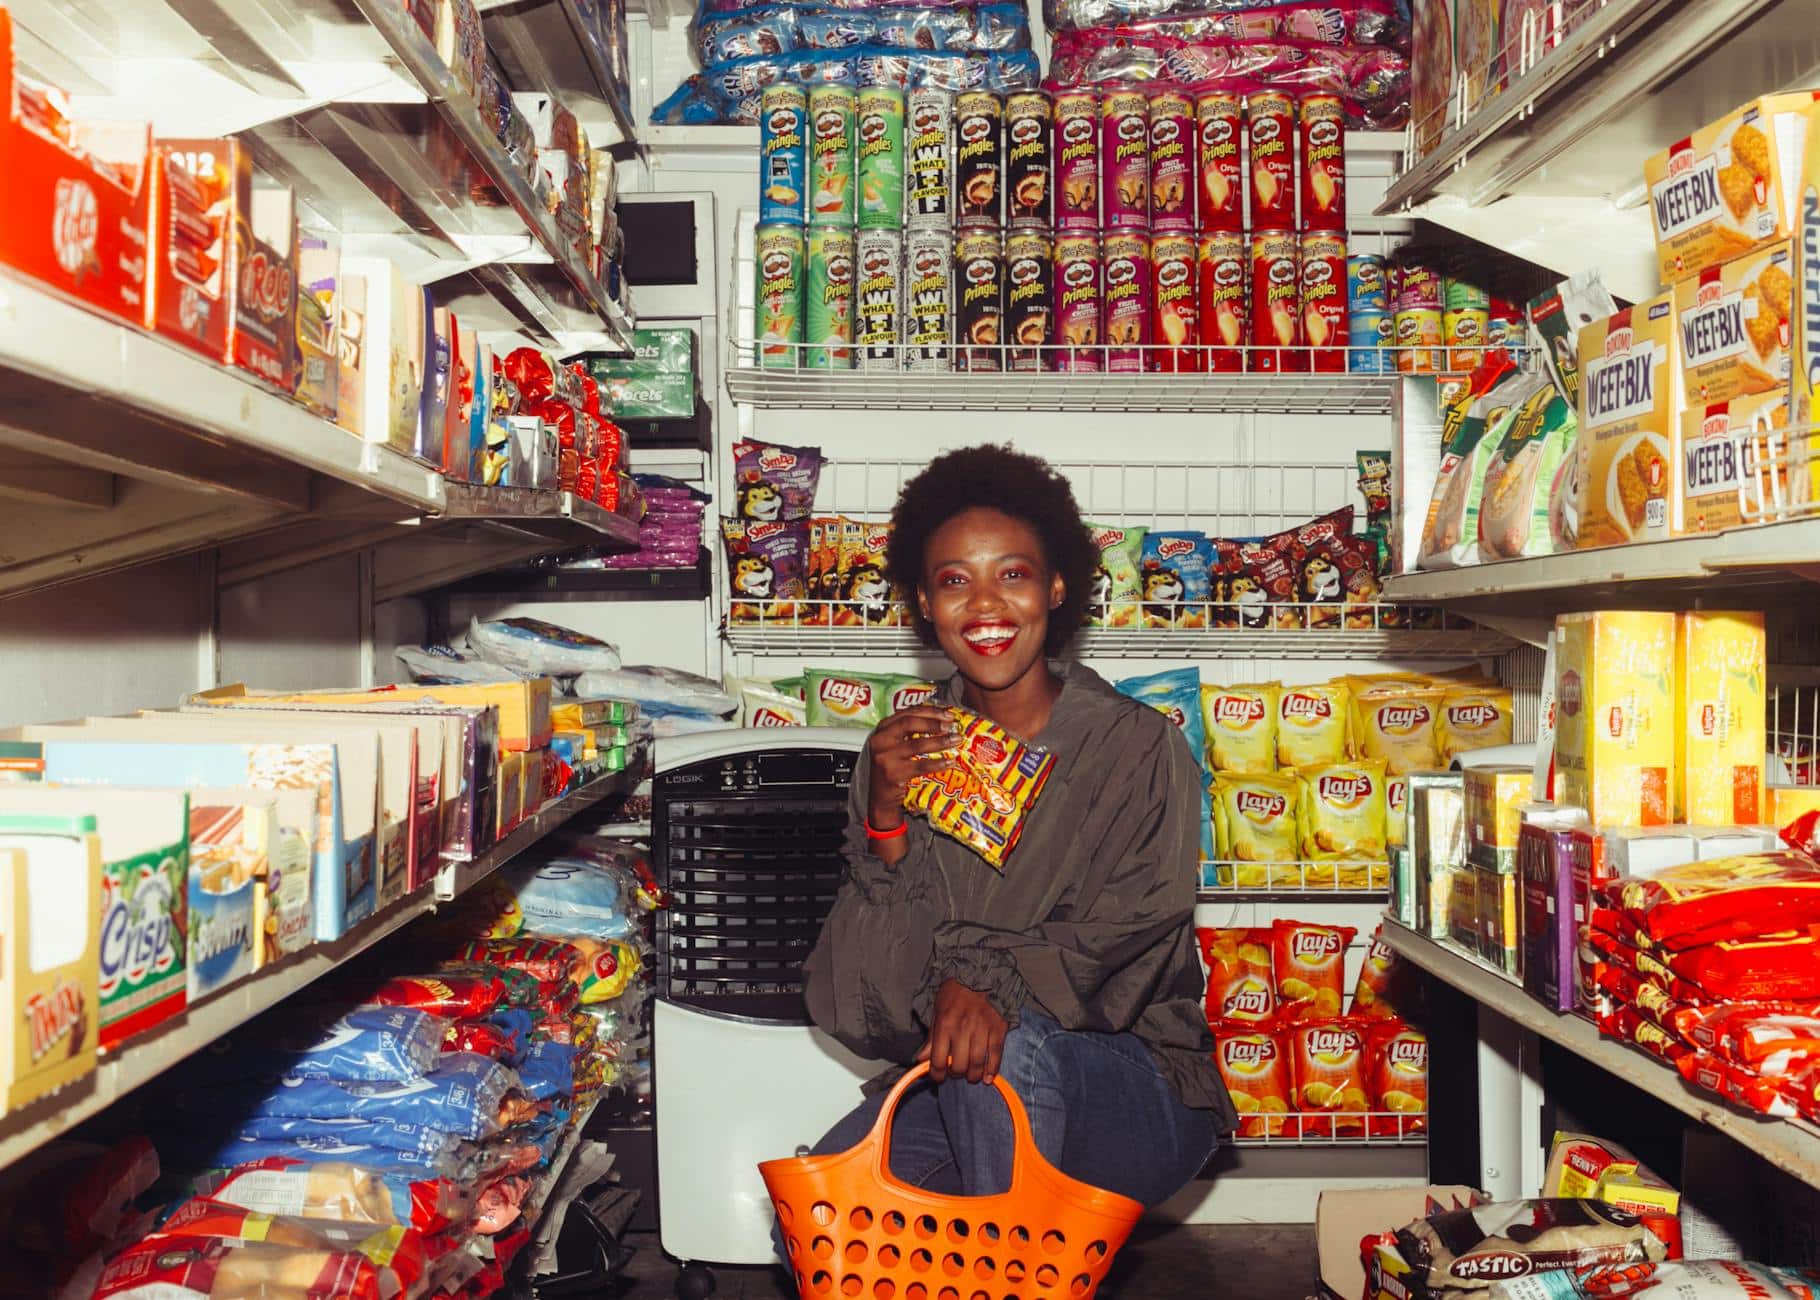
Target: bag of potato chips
{"points": [[1239, 986], [1241, 727], [1255, 1066], [1374, 992], [1312, 725], [1261, 817], [1116, 593], [1309, 963], [984, 797], [1328, 1066], [1474, 717], [1397, 1066], [1396, 812], [1397, 723], [1344, 811]]}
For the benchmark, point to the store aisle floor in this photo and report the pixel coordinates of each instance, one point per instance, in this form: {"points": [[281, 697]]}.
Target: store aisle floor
{"points": [[1259, 1262]]}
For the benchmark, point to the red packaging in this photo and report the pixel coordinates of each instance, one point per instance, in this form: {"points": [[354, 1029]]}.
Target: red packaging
{"points": [[1735, 1083], [1270, 123], [457, 995], [1077, 160], [1628, 1025], [1029, 298], [192, 216], [1177, 329], [1323, 140], [587, 479], [1127, 301], [1079, 302], [1327, 1062], [1397, 1069], [480, 1036], [1221, 264], [1255, 1068], [263, 325], [1324, 309], [207, 1266], [1218, 121], [1275, 300], [1309, 962], [1173, 155], [1760, 1038], [1239, 983], [1125, 159], [1724, 898], [1376, 992]]}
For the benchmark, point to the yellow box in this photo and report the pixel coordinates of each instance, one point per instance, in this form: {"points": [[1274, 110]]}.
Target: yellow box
{"points": [[1494, 814], [1732, 326], [1630, 412], [1496, 906], [524, 707], [1615, 716], [511, 791], [50, 955], [1804, 358], [1721, 660], [1729, 187], [1714, 469], [1788, 802]]}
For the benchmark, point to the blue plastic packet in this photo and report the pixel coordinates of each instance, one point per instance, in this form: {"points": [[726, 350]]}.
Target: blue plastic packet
{"points": [[460, 1161], [372, 1132], [548, 1070], [1176, 578], [366, 1045], [1176, 694], [463, 1096], [564, 897]]}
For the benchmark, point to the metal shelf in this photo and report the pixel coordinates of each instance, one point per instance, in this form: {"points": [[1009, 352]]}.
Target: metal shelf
{"points": [[550, 43], [1392, 1129], [1791, 1145], [556, 582], [1311, 882], [143, 1059]]}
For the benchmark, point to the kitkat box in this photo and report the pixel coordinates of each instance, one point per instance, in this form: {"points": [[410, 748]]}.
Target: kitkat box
{"points": [[78, 195], [190, 287]]}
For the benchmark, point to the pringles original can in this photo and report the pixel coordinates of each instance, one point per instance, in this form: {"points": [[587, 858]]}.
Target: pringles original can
{"points": [[1270, 122], [1127, 301], [1077, 160], [828, 299], [929, 297], [881, 158], [1029, 298], [1324, 310], [930, 125], [1223, 267], [1125, 159], [1174, 153], [833, 128], [780, 295], [1323, 139], [880, 291], [979, 309], [1276, 292], [979, 159], [783, 154], [1029, 160], [1367, 283], [1176, 328], [1219, 126], [1079, 302]]}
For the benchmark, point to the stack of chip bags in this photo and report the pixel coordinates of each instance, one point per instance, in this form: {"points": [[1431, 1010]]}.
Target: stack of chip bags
{"points": [[984, 795]]}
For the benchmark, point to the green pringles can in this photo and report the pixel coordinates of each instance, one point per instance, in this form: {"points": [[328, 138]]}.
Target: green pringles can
{"points": [[780, 296], [833, 130], [828, 299], [881, 158]]}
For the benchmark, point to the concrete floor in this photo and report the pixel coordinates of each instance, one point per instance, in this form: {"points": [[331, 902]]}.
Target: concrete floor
{"points": [[1259, 1262]]}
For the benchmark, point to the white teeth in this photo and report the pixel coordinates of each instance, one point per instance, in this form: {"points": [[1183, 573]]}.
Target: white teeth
{"points": [[990, 636]]}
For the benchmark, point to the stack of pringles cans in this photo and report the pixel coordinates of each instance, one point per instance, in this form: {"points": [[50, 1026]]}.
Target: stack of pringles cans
{"points": [[1121, 230]]}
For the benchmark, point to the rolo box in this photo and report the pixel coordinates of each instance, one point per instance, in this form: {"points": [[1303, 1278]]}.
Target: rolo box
{"points": [[1630, 411], [50, 905], [1615, 716]]}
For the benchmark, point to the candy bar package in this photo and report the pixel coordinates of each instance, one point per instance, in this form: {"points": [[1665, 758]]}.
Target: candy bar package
{"points": [[773, 482], [983, 799]]}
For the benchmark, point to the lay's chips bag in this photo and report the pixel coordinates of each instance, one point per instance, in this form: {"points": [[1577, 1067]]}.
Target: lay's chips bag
{"points": [[1261, 816], [1474, 717], [1312, 725], [1117, 592], [1241, 726], [1397, 724], [1239, 984], [1396, 808], [834, 698], [1344, 811]]}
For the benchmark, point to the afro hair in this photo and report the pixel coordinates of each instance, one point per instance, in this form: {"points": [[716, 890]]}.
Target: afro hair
{"points": [[1013, 483]]}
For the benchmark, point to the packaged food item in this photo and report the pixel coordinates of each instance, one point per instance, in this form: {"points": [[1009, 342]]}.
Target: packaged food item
{"points": [[1176, 329], [984, 797], [1270, 126], [453, 995], [1733, 326], [1323, 300], [1256, 1071], [1219, 126], [1177, 579], [339, 1193], [1117, 594], [1739, 898], [832, 126], [1029, 298], [1129, 301], [979, 159], [1719, 726], [1473, 717], [1494, 813], [1614, 720], [1080, 302], [1329, 1067], [828, 299], [50, 900], [844, 699], [881, 158], [1631, 399], [929, 299], [1309, 962], [1276, 320], [781, 256], [1375, 994], [1125, 159], [1703, 1279], [1223, 274], [1312, 725], [1176, 694], [1396, 803], [1239, 983], [1397, 724], [979, 321], [1729, 453], [1173, 155], [1029, 160], [766, 563], [365, 1044], [775, 482], [1260, 815], [1450, 535], [1467, 1249], [1397, 1070], [930, 126], [1343, 812], [1077, 160], [1525, 507], [1242, 727], [881, 298], [783, 153]]}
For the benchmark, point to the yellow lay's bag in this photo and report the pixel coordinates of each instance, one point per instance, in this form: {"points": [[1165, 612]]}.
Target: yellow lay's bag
{"points": [[1396, 810], [1397, 724], [1260, 817], [1242, 727], [1312, 724], [1474, 717], [1344, 811]]}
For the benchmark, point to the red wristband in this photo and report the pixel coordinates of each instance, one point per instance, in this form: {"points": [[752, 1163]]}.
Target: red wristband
{"points": [[903, 828]]}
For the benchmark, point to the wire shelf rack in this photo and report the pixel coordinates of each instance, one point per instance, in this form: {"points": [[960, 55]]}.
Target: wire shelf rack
{"points": [[1378, 1128], [1361, 881]]}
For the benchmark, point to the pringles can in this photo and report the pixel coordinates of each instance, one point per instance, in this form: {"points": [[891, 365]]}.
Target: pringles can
{"points": [[833, 129], [1324, 311], [881, 158], [1368, 335], [979, 309], [1276, 290], [1367, 283], [979, 159], [828, 299], [1465, 323], [929, 299], [1173, 155], [880, 291], [931, 160], [1127, 301], [1125, 159], [1219, 126], [780, 295], [1029, 161], [1077, 160], [1029, 297], [1270, 122], [1418, 332], [1223, 270], [1323, 139], [1176, 327], [1079, 302], [783, 112]]}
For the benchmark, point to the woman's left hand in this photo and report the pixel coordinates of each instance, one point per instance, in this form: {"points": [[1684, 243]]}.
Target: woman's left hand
{"points": [[966, 1035]]}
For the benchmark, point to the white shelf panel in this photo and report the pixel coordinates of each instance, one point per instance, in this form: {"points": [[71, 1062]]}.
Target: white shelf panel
{"points": [[1792, 1146], [145, 1058], [551, 41]]}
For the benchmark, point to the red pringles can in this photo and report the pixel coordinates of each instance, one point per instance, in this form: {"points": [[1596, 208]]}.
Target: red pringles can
{"points": [[1222, 263], [1176, 327], [1275, 301], [1127, 301], [1270, 122], [1029, 298], [1125, 159], [1173, 155], [1077, 160], [1325, 316], [1323, 139], [1219, 126], [1079, 301]]}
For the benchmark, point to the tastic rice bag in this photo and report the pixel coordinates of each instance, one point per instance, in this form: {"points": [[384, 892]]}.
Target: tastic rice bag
{"points": [[1374, 995], [1397, 725], [1328, 1066], [1462, 1249], [1312, 725], [774, 482], [1343, 812], [1397, 1077], [1255, 1067], [1724, 898], [1260, 815], [1309, 962], [1241, 724], [1176, 694], [1117, 594], [1474, 717], [1239, 983], [1176, 578], [983, 798], [767, 569]]}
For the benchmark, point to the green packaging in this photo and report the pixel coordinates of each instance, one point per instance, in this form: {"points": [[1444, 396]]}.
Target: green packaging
{"points": [[648, 397], [781, 256], [844, 699], [828, 299], [668, 351], [881, 158], [833, 133]]}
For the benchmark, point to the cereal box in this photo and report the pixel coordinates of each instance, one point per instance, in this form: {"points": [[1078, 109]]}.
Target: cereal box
{"points": [[50, 908], [1804, 362], [1719, 480], [1729, 187], [1494, 814], [1720, 664], [1732, 322], [1615, 719], [1630, 407]]}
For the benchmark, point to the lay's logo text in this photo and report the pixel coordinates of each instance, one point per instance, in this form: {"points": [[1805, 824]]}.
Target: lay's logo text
{"points": [[1472, 717], [1238, 711], [1343, 791], [1313, 946], [1298, 707], [1249, 1054], [845, 695], [1404, 719]]}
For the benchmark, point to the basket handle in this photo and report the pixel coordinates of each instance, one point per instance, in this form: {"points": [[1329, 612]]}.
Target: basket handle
{"points": [[1023, 1144]]}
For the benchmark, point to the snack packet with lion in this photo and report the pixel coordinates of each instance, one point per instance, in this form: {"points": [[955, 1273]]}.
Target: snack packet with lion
{"points": [[1309, 963], [1328, 1068], [983, 798], [1254, 1063], [1242, 727], [1239, 985], [1117, 593]]}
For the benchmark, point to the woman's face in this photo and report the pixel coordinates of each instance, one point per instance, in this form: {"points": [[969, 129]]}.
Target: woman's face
{"points": [[988, 590]]}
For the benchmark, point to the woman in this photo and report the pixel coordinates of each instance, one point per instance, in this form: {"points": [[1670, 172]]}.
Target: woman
{"points": [[1073, 972]]}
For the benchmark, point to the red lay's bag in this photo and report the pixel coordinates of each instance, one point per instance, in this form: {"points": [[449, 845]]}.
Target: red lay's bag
{"points": [[1374, 995], [1397, 1070], [1309, 962], [1255, 1067], [1239, 986], [1328, 1066]]}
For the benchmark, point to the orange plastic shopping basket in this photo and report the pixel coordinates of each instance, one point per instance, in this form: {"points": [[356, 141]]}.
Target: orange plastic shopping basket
{"points": [[851, 1229]]}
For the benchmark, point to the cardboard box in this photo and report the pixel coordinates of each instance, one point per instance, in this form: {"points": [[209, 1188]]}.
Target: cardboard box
{"points": [[353, 355], [189, 287], [1547, 955], [1630, 412], [1431, 73], [511, 791], [233, 837], [437, 368], [389, 337], [457, 458], [1788, 803], [1804, 359], [1732, 325], [1734, 841], [1497, 917], [1615, 716], [1494, 814], [1719, 480], [1729, 187], [1721, 663], [50, 907], [524, 706], [1590, 871], [318, 328], [1342, 1219], [1644, 851], [649, 397], [262, 329]]}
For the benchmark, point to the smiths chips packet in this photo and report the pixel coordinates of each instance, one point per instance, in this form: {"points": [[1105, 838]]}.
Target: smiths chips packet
{"points": [[1312, 725], [1344, 811], [1474, 717], [1241, 724], [1397, 724], [1117, 594], [984, 797], [1260, 816], [1177, 579], [1239, 984], [773, 483]]}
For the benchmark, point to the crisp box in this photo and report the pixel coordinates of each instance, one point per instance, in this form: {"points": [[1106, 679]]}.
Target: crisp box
{"points": [[1732, 324], [1630, 411], [262, 330], [1728, 187], [1494, 811], [1721, 661], [233, 838], [50, 904], [76, 215], [1615, 716], [189, 290], [1714, 469]]}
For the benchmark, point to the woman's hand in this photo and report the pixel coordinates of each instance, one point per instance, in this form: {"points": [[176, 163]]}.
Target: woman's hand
{"points": [[966, 1035], [903, 747]]}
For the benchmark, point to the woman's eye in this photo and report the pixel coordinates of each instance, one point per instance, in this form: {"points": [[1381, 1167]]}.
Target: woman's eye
{"points": [[1013, 575], [951, 580]]}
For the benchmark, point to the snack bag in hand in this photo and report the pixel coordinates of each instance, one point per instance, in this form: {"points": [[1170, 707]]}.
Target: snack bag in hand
{"points": [[983, 798]]}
